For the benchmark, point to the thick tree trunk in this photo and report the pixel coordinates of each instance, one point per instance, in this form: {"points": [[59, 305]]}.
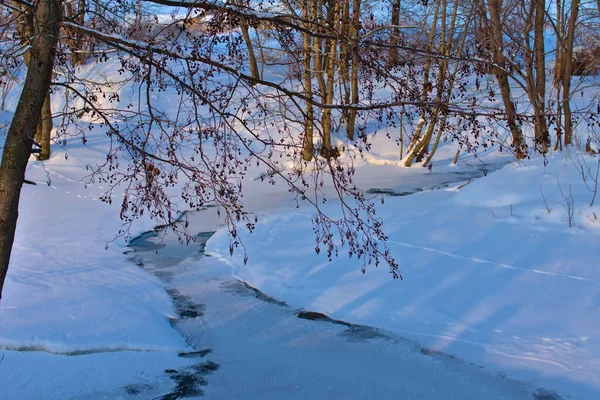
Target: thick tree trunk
{"points": [[26, 31], [19, 140]]}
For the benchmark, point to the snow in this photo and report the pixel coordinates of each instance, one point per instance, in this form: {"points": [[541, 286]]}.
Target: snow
{"points": [[489, 274], [111, 375], [265, 351], [79, 320], [64, 280], [493, 274]]}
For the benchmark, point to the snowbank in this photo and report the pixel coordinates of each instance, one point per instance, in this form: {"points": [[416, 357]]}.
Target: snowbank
{"points": [[492, 272]]}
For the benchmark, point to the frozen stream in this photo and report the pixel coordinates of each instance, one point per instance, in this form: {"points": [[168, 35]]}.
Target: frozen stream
{"points": [[251, 346]]}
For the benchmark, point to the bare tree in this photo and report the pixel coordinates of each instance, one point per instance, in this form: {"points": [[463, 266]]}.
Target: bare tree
{"points": [[493, 17], [208, 152], [19, 140]]}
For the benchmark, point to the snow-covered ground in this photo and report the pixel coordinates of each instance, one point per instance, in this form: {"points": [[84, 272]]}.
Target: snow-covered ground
{"points": [[77, 319], [493, 274], [263, 350]]}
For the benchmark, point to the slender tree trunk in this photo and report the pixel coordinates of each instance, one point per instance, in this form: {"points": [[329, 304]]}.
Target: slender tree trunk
{"points": [[423, 145], [413, 146], [559, 144], [344, 58], [44, 130], [332, 45], [419, 139], [79, 53], [19, 139], [250, 47], [351, 125], [395, 34], [455, 160], [494, 7], [307, 15], [451, 79], [244, 28], [534, 76], [567, 65], [558, 71], [541, 132], [318, 49]]}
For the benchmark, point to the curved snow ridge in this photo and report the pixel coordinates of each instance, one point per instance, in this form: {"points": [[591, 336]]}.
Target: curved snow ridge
{"points": [[479, 260]]}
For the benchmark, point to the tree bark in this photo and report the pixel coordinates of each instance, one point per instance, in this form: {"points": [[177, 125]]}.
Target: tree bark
{"points": [[76, 43], [414, 145], [354, 32], [395, 34], [494, 7], [330, 67], [20, 135], [26, 31], [542, 136], [317, 5], [308, 146], [44, 130], [567, 71], [250, 47]]}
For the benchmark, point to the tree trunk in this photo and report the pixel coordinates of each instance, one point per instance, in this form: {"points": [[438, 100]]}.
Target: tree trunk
{"points": [[395, 34], [79, 53], [542, 137], [344, 58], [251, 56], [318, 48], [307, 150], [447, 45], [44, 130], [557, 81], [20, 135], [494, 7], [332, 45], [354, 31], [26, 31], [567, 71], [414, 145]]}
